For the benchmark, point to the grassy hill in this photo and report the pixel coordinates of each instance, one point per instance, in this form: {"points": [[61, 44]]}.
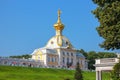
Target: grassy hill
{"points": [[25, 73]]}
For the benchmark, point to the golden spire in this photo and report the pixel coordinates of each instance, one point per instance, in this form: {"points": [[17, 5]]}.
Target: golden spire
{"points": [[59, 25], [59, 12]]}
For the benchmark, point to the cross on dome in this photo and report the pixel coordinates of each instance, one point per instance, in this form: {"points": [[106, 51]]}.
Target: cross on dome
{"points": [[59, 12]]}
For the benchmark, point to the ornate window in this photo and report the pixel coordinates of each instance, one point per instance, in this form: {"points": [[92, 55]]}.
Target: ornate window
{"points": [[71, 60], [55, 59], [63, 53], [52, 42], [52, 59], [67, 60], [48, 59], [68, 54], [38, 57], [63, 60], [71, 54], [66, 43]]}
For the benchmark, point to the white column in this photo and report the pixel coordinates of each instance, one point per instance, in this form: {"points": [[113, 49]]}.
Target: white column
{"points": [[45, 60], [59, 57], [100, 75], [97, 75]]}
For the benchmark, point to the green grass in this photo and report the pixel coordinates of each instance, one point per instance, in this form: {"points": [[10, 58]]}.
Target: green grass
{"points": [[25, 73]]}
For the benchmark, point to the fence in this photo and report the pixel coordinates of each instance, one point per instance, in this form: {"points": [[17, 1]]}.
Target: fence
{"points": [[21, 62]]}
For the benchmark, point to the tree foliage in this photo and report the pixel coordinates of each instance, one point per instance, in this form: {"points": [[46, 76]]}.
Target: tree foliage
{"points": [[108, 14], [92, 55], [78, 73], [26, 56], [83, 52], [115, 74], [91, 59]]}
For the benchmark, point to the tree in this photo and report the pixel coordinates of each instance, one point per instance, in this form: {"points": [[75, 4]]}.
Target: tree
{"points": [[78, 73], [106, 55], [92, 55], [83, 52], [26, 56], [115, 74], [108, 14]]}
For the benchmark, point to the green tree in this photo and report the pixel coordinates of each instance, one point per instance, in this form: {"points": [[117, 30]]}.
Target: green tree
{"points": [[110, 55], [78, 73], [108, 14], [106, 55], [26, 56], [83, 52], [115, 74], [92, 55]]}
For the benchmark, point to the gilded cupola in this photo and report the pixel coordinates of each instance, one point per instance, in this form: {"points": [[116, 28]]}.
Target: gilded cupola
{"points": [[59, 26], [59, 41]]}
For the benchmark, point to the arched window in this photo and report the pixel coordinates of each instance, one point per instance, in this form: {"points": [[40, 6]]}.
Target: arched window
{"points": [[52, 59], [71, 54], [63, 60], [67, 53], [66, 43], [39, 57], [63, 53], [48, 59], [67, 60], [55, 59], [71, 60], [52, 42]]}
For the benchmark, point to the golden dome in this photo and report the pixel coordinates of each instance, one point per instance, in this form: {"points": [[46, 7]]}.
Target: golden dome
{"points": [[59, 25]]}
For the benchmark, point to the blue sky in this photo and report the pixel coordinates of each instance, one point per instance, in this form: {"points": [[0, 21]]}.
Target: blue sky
{"points": [[28, 24]]}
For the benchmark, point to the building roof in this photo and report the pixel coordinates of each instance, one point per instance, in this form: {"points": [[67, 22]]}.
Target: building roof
{"points": [[44, 50], [78, 54], [59, 42]]}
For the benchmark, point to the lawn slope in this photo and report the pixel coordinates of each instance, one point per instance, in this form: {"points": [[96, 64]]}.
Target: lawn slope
{"points": [[25, 73]]}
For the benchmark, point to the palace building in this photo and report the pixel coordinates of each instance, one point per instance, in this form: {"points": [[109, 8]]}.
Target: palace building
{"points": [[58, 51]]}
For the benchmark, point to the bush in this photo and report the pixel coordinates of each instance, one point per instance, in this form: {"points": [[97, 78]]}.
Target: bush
{"points": [[78, 73]]}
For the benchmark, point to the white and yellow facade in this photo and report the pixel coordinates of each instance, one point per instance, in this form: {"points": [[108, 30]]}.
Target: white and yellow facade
{"points": [[59, 52]]}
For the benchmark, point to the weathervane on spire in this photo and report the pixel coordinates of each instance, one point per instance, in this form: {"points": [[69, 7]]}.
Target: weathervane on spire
{"points": [[59, 12]]}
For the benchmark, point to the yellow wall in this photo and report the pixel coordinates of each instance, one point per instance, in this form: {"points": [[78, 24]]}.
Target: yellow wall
{"points": [[38, 55]]}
